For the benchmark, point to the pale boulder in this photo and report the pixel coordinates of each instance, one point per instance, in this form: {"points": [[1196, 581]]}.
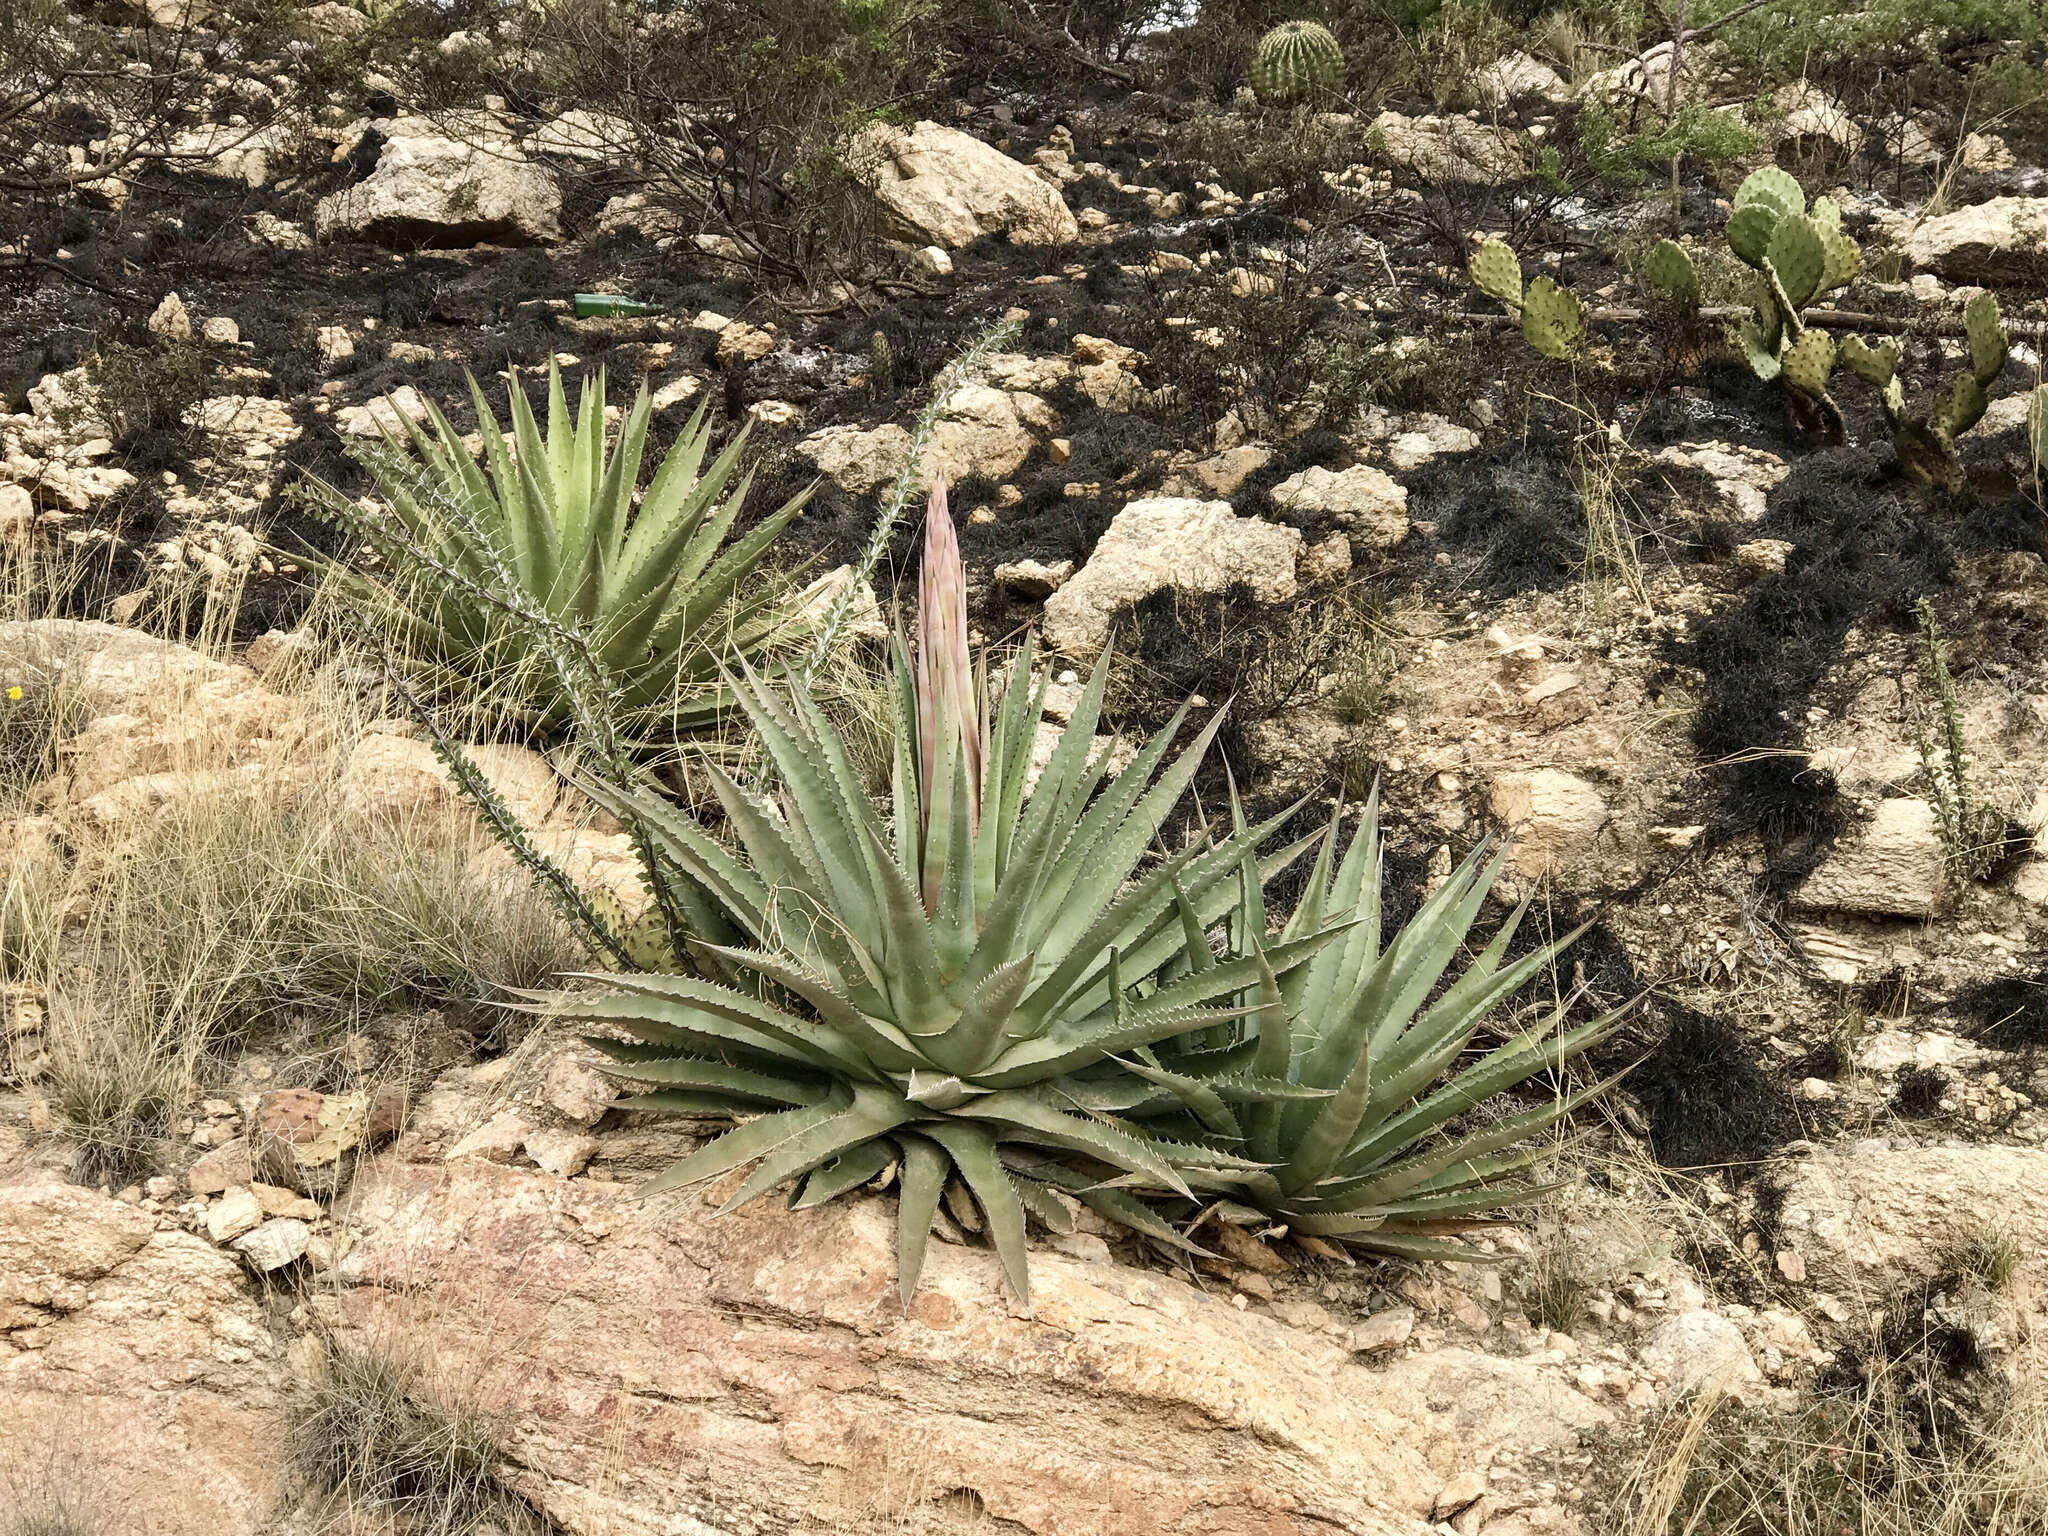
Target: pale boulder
{"points": [[1450, 148], [985, 431], [427, 190], [1555, 818], [948, 188], [1169, 542], [1362, 500], [764, 1360], [1890, 867], [1993, 242], [1871, 1216]]}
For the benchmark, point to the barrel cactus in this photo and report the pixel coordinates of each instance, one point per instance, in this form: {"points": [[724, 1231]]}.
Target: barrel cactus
{"points": [[1297, 61]]}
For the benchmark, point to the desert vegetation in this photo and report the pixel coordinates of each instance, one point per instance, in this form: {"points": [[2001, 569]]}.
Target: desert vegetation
{"points": [[968, 765]]}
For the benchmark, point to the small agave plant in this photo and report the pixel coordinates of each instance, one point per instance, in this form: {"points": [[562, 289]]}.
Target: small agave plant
{"points": [[1370, 1064], [939, 990], [654, 588]]}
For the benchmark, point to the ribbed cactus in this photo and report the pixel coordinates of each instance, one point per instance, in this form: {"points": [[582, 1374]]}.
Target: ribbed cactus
{"points": [[1297, 61], [2037, 425], [881, 364], [1668, 274], [1925, 439]]}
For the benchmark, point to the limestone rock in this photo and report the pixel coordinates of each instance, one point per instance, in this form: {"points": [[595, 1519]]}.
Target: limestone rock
{"points": [[427, 190], [581, 134], [1991, 243], [1699, 1348], [383, 414], [1033, 578], [948, 188], [1984, 152], [1220, 474], [1890, 867], [1169, 542], [759, 1370], [1450, 148], [169, 319], [1517, 75], [1555, 818], [1647, 76], [223, 1168], [233, 1214], [331, 20], [563, 1153], [152, 1368], [1868, 1214], [274, 1244], [497, 1140], [388, 775], [1813, 124], [864, 618], [1388, 1328], [983, 432], [1362, 500]]}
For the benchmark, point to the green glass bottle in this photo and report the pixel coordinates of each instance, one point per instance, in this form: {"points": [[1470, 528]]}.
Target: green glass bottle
{"points": [[608, 306]]}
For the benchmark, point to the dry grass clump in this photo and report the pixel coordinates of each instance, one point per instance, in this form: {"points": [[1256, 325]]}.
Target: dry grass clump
{"points": [[47, 1491], [1914, 1436], [241, 905], [378, 1425]]}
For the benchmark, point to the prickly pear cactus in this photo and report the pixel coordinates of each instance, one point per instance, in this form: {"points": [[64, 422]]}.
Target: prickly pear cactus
{"points": [[1873, 365], [1668, 273], [1772, 187], [1749, 231], [1985, 329], [1297, 61], [1551, 318], [1797, 258], [1758, 348], [1497, 273], [646, 941], [1808, 362]]}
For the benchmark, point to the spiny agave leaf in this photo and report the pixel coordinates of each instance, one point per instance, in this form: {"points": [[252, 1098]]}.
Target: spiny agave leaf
{"points": [[747, 1143], [871, 1114], [973, 1151], [925, 1165], [851, 1169], [1053, 1127], [1040, 1202], [640, 1065], [1201, 1099], [1497, 273]]}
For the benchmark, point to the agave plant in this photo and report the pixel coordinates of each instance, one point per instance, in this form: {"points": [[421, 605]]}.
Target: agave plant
{"points": [[547, 533], [939, 989], [1364, 1150]]}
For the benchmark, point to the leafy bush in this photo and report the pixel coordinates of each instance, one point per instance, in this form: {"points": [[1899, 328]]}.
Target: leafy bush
{"points": [[148, 388], [553, 529]]}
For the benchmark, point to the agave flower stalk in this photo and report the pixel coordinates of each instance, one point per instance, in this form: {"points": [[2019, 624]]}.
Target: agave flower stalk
{"points": [[932, 991]]}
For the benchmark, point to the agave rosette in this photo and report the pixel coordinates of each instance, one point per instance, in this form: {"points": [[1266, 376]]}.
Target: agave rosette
{"points": [[1367, 1149], [652, 589], [942, 988]]}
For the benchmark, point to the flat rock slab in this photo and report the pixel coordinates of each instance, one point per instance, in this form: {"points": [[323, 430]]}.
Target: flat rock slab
{"points": [[756, 1372], [1889, 867]]}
